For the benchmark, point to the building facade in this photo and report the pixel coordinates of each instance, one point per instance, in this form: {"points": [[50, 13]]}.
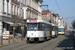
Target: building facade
{"points": [[34, 9], [46, 15], [56, 16], [13, 12], [5, 14], [60, 21], [10, 13], [52, 17]]}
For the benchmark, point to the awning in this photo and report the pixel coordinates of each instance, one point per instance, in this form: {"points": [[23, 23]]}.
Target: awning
{"points": [[11, 24]]}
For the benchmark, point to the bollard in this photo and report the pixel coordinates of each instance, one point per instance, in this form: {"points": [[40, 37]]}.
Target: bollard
{"points": [[21, 38], [1, 42], [9, 40]]}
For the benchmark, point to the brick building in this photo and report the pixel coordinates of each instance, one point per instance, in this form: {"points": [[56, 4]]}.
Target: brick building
{"points": [[48, 16]]}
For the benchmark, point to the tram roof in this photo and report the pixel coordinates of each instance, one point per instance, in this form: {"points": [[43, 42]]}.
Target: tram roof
{"points": [[37, 21], [54, 25]]}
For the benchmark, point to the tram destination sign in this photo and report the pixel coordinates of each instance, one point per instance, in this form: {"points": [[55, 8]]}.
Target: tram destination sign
{"points": [[32, 20]]}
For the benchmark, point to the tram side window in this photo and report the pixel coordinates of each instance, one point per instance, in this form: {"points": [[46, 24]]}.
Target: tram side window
{"points": [[56, 28], [41, 26], [50, 27], [46, 27]]}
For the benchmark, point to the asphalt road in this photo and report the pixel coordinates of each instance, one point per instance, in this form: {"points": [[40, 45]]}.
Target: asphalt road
{"points": [[62, 42]]}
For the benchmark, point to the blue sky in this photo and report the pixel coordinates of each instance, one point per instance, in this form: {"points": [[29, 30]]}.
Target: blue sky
{"points": [[67, 7]]}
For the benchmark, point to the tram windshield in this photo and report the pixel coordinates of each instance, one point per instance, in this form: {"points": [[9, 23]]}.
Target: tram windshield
{"points": [[32, 26], [61, 29]]}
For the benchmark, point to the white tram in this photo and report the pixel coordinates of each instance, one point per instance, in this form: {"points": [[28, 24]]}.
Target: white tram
{"points": [[38, 30], [61, 30], [54, 30]]}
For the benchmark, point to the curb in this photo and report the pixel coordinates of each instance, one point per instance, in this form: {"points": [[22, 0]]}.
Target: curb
{"points": [[11, 44]]}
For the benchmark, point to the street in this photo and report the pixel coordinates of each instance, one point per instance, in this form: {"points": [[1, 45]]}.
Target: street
{"points": [[62, 42]]}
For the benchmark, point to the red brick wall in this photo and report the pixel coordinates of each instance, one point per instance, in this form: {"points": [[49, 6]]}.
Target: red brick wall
{"points": [[15, 2], [52, 18]]}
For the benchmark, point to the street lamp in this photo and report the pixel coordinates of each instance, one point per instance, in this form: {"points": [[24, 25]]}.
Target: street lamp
{"points": [[13, 28]]}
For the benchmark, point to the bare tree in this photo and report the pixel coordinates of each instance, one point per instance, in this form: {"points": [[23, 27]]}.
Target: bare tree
{"points": [[73, 24]]}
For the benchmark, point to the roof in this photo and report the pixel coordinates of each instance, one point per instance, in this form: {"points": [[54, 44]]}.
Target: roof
{"points": [[54, 25], [37, 21], [44, 11]]}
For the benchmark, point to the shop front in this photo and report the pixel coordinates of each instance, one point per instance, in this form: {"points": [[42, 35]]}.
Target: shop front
{"points": [[7, 25]]}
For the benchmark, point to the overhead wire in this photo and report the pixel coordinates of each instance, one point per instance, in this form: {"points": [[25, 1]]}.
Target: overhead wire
{"points": [[59, 7], [70, 17]]}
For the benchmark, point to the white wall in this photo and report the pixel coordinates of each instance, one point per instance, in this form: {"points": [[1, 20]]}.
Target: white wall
{"points": [[1, 7], [0, 28], [60, 21], [25, 14], [9, 7], [5, 6]]}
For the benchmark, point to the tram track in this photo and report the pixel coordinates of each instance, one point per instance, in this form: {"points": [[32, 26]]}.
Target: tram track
{"points": [[50, 43], [33, 46], [38, 45], [20, 47], [16, 46]]}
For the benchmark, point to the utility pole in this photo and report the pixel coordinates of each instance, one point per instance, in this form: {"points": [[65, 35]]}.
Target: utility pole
{"points": [[47, 9], [13, 27]]}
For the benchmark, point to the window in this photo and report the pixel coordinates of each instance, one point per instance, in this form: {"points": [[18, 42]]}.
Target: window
{"points": [[46, 27], [18, 11], [18, 1], [32, 26], [21, 12], [25, 2], [7, 6], [53, 28], [15, 9], [41, 26], [3, 5], [61, 29], [15, 0], [35, 26], [8, 27]]}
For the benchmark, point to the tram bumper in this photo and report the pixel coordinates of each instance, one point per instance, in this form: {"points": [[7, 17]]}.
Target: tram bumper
{"points": [[31, 39], [35, 39]]}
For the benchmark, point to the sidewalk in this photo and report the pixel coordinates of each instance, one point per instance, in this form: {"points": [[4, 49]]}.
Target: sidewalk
{"points": [[16, 41]]}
